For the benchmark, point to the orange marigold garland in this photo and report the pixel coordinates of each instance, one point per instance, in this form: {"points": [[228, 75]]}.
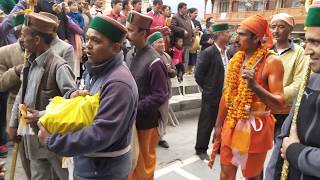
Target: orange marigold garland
{"points": [[238, 96]]}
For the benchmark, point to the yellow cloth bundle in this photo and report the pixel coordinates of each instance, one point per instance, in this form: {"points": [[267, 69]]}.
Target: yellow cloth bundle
{"points": [[69, 115]]}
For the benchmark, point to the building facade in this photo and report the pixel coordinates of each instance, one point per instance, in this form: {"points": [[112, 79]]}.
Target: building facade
{"points": [[234, 11]]}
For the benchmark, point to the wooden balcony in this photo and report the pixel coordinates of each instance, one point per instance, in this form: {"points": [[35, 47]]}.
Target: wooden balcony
{"points": [[235, 18]]}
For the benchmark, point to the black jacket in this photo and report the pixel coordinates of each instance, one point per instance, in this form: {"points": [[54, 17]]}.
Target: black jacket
{"points": [[204, 40], [209, 73], [196, 23]]}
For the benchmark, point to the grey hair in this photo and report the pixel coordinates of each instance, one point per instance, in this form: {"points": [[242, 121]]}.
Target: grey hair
{"points": [[216, 34]]}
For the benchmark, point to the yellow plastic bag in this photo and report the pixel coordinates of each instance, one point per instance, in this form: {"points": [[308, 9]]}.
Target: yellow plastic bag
{"points": [[69, 115], [196, 43]]}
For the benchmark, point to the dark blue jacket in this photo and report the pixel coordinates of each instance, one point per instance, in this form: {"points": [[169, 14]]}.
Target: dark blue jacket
{"points": [[112, 126], [77, 18]]}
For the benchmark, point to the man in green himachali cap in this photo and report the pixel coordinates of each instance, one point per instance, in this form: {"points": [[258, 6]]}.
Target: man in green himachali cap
{"points": [[167, 115], [299, 142], [220, 27], [212, 62], [107, 142]]}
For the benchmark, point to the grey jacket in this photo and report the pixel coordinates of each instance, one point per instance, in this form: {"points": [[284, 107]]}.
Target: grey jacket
{"points": [[54, 77], [64, 50], [10, 56], [179, 24]]}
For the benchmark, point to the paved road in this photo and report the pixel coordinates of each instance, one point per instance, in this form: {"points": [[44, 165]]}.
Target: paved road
{"points": [[179, 161]]}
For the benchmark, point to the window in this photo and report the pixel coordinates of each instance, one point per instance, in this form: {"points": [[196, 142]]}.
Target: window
{"points": [[295, 3], [235, 6], [224, 6], [242, 7], [258, 6], [271, 5], [253, 5]]}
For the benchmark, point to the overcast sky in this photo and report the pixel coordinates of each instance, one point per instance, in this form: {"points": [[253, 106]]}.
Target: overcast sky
{"points": [[199, 4]]}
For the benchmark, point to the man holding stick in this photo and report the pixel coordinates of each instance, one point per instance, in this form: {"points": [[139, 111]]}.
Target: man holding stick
{"points": [[297, 156]]}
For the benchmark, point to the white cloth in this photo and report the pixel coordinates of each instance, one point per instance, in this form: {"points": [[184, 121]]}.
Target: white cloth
{"points": [[224, 57]]}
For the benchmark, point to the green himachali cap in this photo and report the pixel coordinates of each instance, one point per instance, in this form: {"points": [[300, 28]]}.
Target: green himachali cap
{"points": [[153, 37], [109, 27], [17, 21], [313, 17], [220, 27], [7, 5]]}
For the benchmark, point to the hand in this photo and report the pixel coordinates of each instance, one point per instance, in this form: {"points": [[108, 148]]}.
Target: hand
{"points": [[79, 93], [2, 170], [196, 29], [13, 136], [18, 69], [86, 11], [57, 8], [210, 41], [294, 133], [287, 141], [186, 33], [42, 134], [165, 29], [248, 75], [217, 133], [32, 116], [168, 67]]}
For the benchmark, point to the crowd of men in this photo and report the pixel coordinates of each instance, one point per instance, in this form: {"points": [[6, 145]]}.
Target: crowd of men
{"points": [[258, 91]]}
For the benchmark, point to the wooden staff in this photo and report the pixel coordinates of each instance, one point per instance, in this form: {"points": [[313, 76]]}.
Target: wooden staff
{"points": [[16, 144], [30, 5], [14, 160], [293, 127]]}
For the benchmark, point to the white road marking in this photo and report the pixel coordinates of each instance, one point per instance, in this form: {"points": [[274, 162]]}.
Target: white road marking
{"points": [[186, 174], [175, 166]]}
